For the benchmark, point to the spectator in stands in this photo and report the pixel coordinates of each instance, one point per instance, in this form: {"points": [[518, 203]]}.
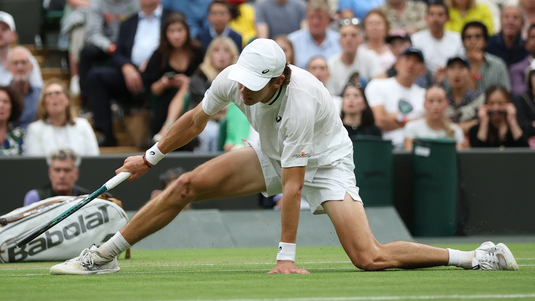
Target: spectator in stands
{"points": [[11, 137], [63, 172], [166, 178], [435, 123], [464, 11], [319, 67], [377, 28], [138, 37], [73, 26], [528, 6], [436, 43], [218, 19], [525, 106], [104, 18], [20, 66], [57, 125], [357, 8], [399, 41], [518, 71], [317, 39], [8, 35], [486, 69], [464, 102], [405, 14], [243, 20], [508, 44], [196, 12], [397, 100], [238, 127], [357, 116], [352, 59], [276, 17], [287, 47], [170, 67], [498, 125]]}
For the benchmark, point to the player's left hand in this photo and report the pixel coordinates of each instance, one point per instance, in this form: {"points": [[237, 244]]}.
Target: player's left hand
{"points": [[287, 267]]}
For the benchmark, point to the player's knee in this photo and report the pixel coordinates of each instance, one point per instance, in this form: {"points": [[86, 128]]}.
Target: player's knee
{"points": [[366, 261], [182, 189]]}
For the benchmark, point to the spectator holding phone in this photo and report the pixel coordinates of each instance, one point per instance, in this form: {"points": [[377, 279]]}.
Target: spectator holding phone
{"points": [[497, 122], [170, 66]]}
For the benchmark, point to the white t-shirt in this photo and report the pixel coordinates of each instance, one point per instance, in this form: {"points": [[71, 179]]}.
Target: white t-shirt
{"points": [[366, 63], [437, 52], [298, 124], [396, 99], [420, 129]]}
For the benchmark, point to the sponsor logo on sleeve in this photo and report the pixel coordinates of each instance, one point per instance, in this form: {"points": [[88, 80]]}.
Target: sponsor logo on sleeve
{"points": [[301, 155]]}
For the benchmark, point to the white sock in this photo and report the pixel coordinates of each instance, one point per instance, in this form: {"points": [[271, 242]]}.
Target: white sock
{"points": [[461, 259], [113, 247]]}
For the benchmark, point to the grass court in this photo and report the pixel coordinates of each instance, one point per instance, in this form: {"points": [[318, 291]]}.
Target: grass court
{"points": [[240, 274]]}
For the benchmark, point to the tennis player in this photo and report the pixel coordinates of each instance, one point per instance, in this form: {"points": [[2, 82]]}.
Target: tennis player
{"points": [[303, 151]]}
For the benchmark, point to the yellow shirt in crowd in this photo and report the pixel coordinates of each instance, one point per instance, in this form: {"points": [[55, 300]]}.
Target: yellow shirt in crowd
{"points": [[244, 24], [481, 13]]}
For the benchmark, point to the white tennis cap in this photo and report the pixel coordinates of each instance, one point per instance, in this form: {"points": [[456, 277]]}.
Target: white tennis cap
{"points": [[259, 61], [8, 19]]}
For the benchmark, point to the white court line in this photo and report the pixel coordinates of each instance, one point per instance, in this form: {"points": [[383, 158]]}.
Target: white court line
{"points": [[516, 296]]}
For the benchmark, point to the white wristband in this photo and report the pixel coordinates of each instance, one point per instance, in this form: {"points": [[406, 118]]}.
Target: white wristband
{"points": [[286, 251], [154, 155]]}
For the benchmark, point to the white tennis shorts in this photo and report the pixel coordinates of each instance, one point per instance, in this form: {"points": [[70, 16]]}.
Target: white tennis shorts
{"points": [[322, 183]]}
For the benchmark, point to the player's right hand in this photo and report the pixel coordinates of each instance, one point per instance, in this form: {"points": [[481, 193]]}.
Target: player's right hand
{"points": [[134, 165], [287, 267]]}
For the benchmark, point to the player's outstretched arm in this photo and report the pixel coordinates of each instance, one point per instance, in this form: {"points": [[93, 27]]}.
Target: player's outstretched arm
{"points": [[292, 183], [187, 127]]}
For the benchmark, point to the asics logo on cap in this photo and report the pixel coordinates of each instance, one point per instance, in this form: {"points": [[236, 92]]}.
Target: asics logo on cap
{"points": [[265, 71]]}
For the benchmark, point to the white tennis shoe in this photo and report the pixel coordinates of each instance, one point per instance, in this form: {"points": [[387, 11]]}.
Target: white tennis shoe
{"points": [[89, 262], [494, 257]]}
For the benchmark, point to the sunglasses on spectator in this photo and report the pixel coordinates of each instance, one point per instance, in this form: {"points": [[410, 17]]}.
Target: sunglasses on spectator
{"points": [[55, 93], [354, 21]]}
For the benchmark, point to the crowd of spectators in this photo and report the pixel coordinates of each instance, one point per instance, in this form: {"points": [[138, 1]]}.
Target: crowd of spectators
{"points": [[398, 69]]}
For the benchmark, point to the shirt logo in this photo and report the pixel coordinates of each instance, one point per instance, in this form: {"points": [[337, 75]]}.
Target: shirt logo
{"points": [[265, 71], [278, 119], [301, 155], [404, 106]]}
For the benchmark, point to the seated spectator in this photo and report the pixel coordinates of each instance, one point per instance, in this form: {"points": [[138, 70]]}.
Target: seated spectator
{"points": [[103, 20], [243, 20], [508, 44], [528, 6], [436, 43], [196, 12], [21, 68], [317, 39], [464, 11], [525, 106], [63, 172], [139, 37], [357, 116], [8, 36], [399, 41], [357, 8], [518, 71], [463, 101], [287, 47], [218, 19], [57, 125], [405, 14], [498, 125], [398, 100], [486, 69], [11, 137], [352, 59], [435, 124], [169, 68], [276, 17], [320, 69], [376, 28]]}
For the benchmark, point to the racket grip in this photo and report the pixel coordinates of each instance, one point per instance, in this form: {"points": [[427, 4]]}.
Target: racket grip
{"points": [[118, 179]]}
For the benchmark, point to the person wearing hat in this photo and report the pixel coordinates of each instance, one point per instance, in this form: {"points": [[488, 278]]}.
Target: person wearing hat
{"points": [[8, 35], [397, 100], [304, 151], [464, 102]]}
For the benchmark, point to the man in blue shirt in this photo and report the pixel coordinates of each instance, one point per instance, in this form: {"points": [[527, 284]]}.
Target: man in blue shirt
{"points": [[196, 12], [508, 44], [219, 16]]}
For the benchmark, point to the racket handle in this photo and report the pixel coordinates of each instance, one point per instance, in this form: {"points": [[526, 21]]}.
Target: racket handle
{"points": [[117, 180]]}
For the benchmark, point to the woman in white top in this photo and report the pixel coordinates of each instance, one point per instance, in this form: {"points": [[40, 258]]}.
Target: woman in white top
{"points": [[435, 124], [56, 125], [376, 27]]}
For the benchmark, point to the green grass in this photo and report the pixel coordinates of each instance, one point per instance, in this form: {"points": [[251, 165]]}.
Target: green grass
{"points": [[241, 274]]}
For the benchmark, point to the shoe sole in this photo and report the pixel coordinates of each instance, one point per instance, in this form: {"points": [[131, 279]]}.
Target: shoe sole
{"points": [[511, 263], [75, 272]]}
